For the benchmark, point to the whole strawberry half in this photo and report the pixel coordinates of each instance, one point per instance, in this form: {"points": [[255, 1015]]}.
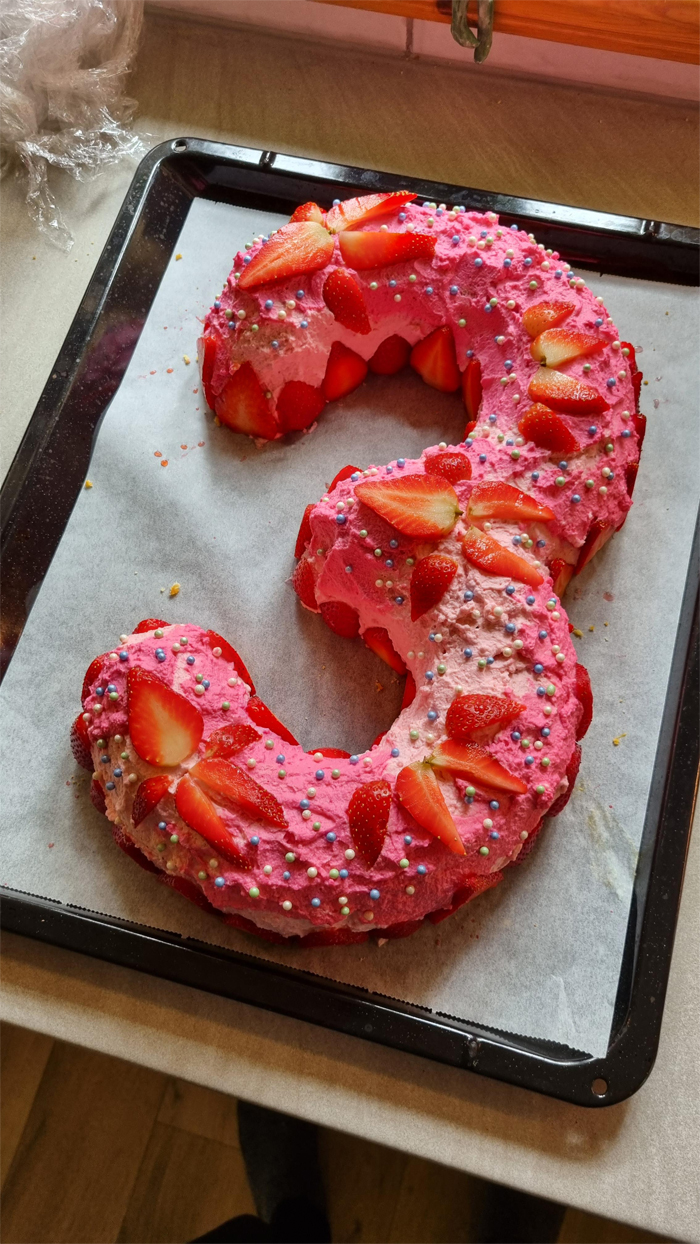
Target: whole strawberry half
{"points": [[344, 473], [368, 818], [298, 405], [243, 406], [344, 297], [435, 360], [92, 674], [561, 573], [353, 212], [584, 695], [308, 211], [80, 743], [208, 361], [376, 250], [391, 356], [341, 618], [556, 346], [572, 769], [430, 579], [304, 584], [477, 765], [475, 717], [304, 534], [345, 370], [149, 624]]}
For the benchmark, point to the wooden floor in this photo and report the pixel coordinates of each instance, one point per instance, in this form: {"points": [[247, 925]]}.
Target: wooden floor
{"points": [[96, 1149]]}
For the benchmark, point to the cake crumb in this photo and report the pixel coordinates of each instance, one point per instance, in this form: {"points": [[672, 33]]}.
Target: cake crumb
{"points": [[577, 633], [169, 370], [179, 256], [616, 742], [175, 589], [591, 628], [164, 462], [88, 483], [186, 359]]}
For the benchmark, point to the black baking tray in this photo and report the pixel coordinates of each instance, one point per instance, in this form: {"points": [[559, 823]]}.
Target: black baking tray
{"points": [[36, 502]]}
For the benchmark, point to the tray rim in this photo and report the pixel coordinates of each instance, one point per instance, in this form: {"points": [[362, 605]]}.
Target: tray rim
{"points": [[555, 1071]]}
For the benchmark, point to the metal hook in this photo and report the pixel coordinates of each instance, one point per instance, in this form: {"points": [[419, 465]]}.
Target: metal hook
{"points": [[461, 33]]}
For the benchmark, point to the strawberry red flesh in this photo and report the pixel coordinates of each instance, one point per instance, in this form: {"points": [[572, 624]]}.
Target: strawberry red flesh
{"points": [[631, 477], [304, 584], [561, 573], [341, 618], [208, 361], [557, 346], [353, 212], [391, 356], [243, 407], [345, 370], [198, 811], [377, 638], [435, 360], [547, 430], [472, 391], [233, 784], [484, 551], [265, 718], [417, 505], [149, 624], [451, 466], [409, 691], [344, 297], [368, 818], [332, 753], [228, 653], [474, 717], [494, 499], [97, 797], [418, 791], [546, 315], [304, 246], [476, 763], [377, 250], [304, 531], [92, 674], [148, 796], [566, 393], [584, 695], [308, 211], [571, 774], [430, 579], [164, 727], [298, 405], [80, 744], [640, 427], [230, 740], [344, 473], [598, 535]]}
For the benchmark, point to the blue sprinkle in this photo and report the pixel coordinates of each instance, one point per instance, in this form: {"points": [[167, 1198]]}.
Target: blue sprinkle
{"points": [[510, 627], [493, 418], [255, 840], [304, 324], [247, 258], [348, 569], [428, 289], [541, 691], [300, 293], [315, 902], [109, 785], [343, 873], [399, 600], [469, 442], [286, 876], [535, 476], [527, 262], [395, 752], [515, 736], [392, 284], [468, 798], [217, 304], [336, 202], [320, 774], [510, 590], [470, 354], [478, 263], [541, 544], [330, 836], [439, 212], [494, 805], [275, 345], [355, 476], [541, 634], [510, 442], [563, 466], [539, 669], [494, 834], [626, 433], [341, 519], [393, 544], [611, 382], [484, 233], [99, 690], [490, 660], [598, 322], [514, 228], [407, 839], [508, 364], [545, 732], [592, 430], [507, 263], [388, 562], [429, 675], [431, 636], [279, 760], [558, 274], [421, 870], [454, 289], [303, 803], [116, 772], [402, 215], [468, 595], [432, 715], [400, 462], [482, 457], [517, 539], [104, 760], [111, 686], [467, 653], [123, 656], [160, 656], [162, 825], [219, 881], [575, 499], [206, 684], [374, 894], [529, 760], [354, 760], [455, 239], [190, 659], [529, 600], [269, 304]]}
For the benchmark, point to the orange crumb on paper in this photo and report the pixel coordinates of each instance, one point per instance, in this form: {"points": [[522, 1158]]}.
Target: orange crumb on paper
{"points": [[174, 589], [179, 256], [164, 462], [183, 447], [200, 443], [88, 483], [157, 453], [195, 390], [578, 633], [616, 742], [591, 628], [169, 370], [151, 373], [186, 359]]}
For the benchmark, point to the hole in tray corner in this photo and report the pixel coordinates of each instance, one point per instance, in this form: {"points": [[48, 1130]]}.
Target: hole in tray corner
{"points": [[599, 1087], [179, 144]]}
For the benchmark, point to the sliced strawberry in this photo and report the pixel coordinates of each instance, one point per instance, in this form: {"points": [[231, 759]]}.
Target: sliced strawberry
{"points": [[265, 718], [94, 670], [566, 393], [391, 356], [556, 346], [435, 360], [80, 743], [225, 777], [228, 653], [378, 739], [547, 430], [529, 844], [308, 211], [451, 466], [97, 797], [475, 763], [475, 717], [419, 792], [354, 212], [341, 618], [584, 695], [129, 848], [298, 405], [472, 392], [484, 551], [368, 818], [377, 638], [304, 584], [409, 691], [331, 753], [344, 473], [148, 796], [243, 407], [494, 499], [475, 886], [164, 727], [378, 250], [149, 624], [430, 579], [640, 427], [417, 505], [345, 370], [598, 534], [571, 773], [304, 531], [631, 477], [208, 361], [198, 811], [304, 246], [230, 740], [636, 375], [545, 315], [343, 296], [561, 573]]}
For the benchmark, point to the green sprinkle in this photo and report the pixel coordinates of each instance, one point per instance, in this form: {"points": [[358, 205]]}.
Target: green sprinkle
{"points": [[483, 850], [515, 454], [226, 705], [290, 857], [403, 863], [174, 837], [254, 892], [334, 874], [470, 791], [202, 875]]}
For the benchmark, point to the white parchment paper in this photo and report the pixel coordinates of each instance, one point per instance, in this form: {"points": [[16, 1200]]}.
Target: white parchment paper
{"points": [[539, 955]]}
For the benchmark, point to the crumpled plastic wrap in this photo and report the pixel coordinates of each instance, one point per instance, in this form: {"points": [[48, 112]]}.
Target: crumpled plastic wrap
{"points": [[62, 69]]}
